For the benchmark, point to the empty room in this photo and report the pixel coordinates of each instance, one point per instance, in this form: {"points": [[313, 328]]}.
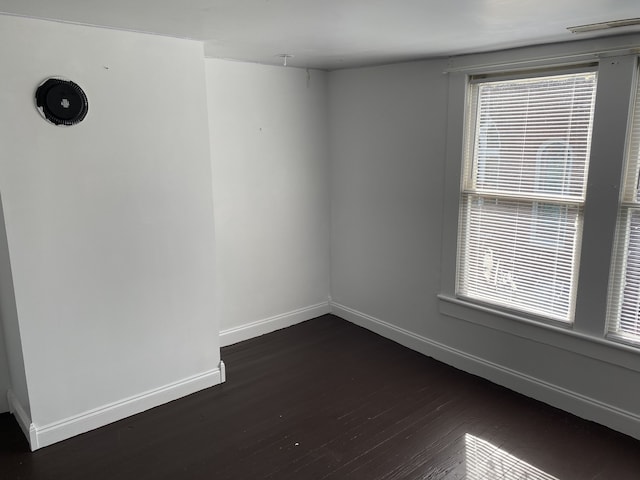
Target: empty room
{"points": [[320, 240]]}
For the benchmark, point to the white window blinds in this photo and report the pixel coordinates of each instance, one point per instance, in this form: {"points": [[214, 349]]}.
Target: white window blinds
{"points": [[525, 168], [624, 293]]}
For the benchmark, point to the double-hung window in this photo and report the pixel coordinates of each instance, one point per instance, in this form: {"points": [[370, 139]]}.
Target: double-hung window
{"points": [[624, 295], [526, 158]]}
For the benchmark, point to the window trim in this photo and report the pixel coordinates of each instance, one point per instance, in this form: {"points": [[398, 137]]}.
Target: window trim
{"points": [[615, 79]]}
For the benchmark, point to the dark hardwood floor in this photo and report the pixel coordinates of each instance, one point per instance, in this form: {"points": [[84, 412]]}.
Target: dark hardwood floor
{"points": [[328, 400]]}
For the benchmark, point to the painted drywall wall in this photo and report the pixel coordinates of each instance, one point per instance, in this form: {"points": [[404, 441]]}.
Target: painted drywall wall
{"points": [[109, 223], [268, 130], [387, 142], [387, 131]]}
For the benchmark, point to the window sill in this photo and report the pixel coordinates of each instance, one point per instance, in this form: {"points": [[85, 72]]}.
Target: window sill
{"points": [[558, 336]]}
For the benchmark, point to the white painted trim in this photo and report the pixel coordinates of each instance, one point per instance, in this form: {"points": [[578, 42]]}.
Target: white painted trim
{"points": [[98, 417], [573, 402], [271, 324], [223, 372], [532, 56], [23, 418]]}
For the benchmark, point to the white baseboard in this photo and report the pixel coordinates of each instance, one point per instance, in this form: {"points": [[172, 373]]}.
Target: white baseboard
{"points": [[42, 435], [573, 402], [271, 324]]}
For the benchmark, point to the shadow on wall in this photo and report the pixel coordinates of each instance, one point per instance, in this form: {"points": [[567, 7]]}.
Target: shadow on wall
{"points": [[9, 331]]}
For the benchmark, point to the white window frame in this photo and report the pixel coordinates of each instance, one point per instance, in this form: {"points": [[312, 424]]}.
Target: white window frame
{"points": [[587, 334], [470, 188]]}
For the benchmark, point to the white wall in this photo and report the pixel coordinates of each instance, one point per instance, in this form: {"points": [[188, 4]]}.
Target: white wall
{"points": [[388, 138], [387, 131], [109, 223], [268, 130]]}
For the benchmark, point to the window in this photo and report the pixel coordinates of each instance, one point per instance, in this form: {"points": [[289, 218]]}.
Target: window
{"points": [[553, 165], [624, 296], [527, 145], [553, 161]]}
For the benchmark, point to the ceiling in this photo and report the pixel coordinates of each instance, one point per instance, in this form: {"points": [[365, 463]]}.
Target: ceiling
{"points": [[333, 34]]}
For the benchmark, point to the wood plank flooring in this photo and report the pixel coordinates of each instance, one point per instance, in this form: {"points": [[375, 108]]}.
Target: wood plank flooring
{"points": [[328, 400]]}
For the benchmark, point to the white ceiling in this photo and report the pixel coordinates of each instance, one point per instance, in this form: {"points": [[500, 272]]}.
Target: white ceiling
{"points": [[333, 34]]}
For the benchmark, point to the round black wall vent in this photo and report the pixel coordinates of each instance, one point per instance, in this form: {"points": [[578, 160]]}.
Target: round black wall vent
{"points": [[61, 101]]}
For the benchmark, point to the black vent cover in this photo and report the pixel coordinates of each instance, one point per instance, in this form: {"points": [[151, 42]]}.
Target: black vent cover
{"points": [[62, 102]]}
